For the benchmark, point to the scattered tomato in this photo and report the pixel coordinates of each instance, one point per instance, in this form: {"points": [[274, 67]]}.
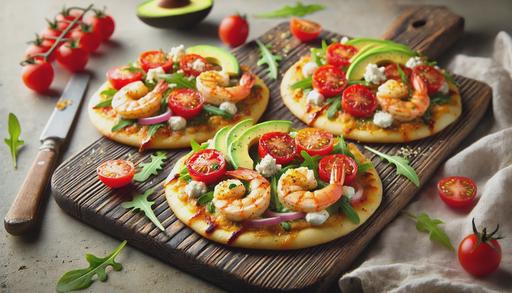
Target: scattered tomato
{"points": [[305, 30], [432, 77], [339, 54], [326, 163], [187, 103], [359, 101], [72, 58], [103, 24], [187, 64], [207, 166], [457, 191], [87, 39], [233, 30], [154, 59], [314, 141], [391, 72], [38, 76], [121, 76], [279, 145], [116, 173], [329, 80]]}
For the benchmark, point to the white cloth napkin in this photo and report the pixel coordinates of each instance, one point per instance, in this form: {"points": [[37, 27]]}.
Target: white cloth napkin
{"points": [[402, 259]]}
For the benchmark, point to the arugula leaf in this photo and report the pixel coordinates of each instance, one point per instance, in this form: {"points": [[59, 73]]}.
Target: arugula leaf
{"points": [[210, 207], [401, 72], [108, 92], [275, 203], [212, 110], [184, 174], [103, 104], [122, 124], [298, 10], [426, 224], [319, 54], [153, 129], [287, 226], [306, 83], [310, 162], [334, 107], [440, 98], [268, 58], [343, 205], [140, 202], [150, 168], [13, 142], [402, 165], [180, 80], [205, 198], [195, 146], [362, 168], [83, 278], [450, 78]]}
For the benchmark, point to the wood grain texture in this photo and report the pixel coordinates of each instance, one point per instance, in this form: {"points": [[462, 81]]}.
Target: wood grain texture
{"points": [[78, 191]]}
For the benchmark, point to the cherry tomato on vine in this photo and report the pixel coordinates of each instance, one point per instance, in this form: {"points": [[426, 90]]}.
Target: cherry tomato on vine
{"points": [[39, 46], [116, 173], [359, 101], [71, 57], [187, 103], [457, 191], [121, 76], [339, 54], [38, 76], [187, 64], [103, 24], [153, 59], [52, 31], [305, 30], [329, 80], [326, 163], [391, 72], [233, 30], [68, 15], [314, 141], [480, 253], [432, 77], [87, 39], [279, 145], [207, 166]]}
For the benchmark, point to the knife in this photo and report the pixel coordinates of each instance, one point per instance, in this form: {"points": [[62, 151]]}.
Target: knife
{"points": [[23, 213]]}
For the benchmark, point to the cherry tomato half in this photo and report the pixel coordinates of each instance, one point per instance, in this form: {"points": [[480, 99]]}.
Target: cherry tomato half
{"points": [[38, 76], [207, 166], [305, 30], [391, 72], [154, 59], [121, 76], [281, 146], [233, 30], [314, 141], [187, 64], [457, 191], [187, 103], [359, 101], [329, 80], [339, 54], [116, 173], [326, 163], [432, 77]]}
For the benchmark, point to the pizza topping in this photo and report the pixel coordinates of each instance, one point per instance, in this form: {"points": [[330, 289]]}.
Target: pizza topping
{"points": [[193, 64], [431, 76], [359, 101], [228, 107], [383, 119], [154, 59], [215, 87], [327, 163], [315, 98], [344, 40], [309, 68], [413, 62], [207, 166], [374, 74], [349, 191], [195, 189], [445, 89], [329, 80], [177, 123], [176, 53], [268, 166], [339, 54], [314, 141], [136, 100], [279, 145], [187, 103], [317, 218], [154, 73], [155, 119]]}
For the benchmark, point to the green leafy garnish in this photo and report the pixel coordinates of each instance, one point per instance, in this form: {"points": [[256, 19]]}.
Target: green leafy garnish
{"points": [[286, 226], [343, 205], [151, 168], [104, 103], [440, 98], [210, 207], [212, 110], [13, 142], [401, 72], [184, 174], [306, 83], [268, 58], [83, 278], [140, 202], [275, 203], [363, 82], [402, 165], [310, 162], [180, 80], [362, 168], [335, 106], [153, 129], [450, 78], [195, 146], [205, 198], [122, 123], [426, 224], [342, 148], [109, 93], [319, 54], [298, 9]]}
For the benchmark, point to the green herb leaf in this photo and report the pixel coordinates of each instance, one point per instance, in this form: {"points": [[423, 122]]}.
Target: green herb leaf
{"points": [[298, 9], [232, 185], [195, 146], [310, 162], [362, 168], [440, 98], [108, 92], [275, 203], [184, 174], [13, 142], [140, 202], [450, 78], [334, 107], [104, 103], [401, 72], [205, 198], [210, 207], [268, 58], [343, 205], [286, 226], [426, 224], [306, 83], [180, 80], [83, 278], [153, 129], [402, 165], [212, 110], [150, 168], [342, 148], [122, 123]]}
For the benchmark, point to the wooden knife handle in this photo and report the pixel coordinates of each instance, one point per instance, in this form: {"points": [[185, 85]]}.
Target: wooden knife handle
{"points": [[23, 213]]}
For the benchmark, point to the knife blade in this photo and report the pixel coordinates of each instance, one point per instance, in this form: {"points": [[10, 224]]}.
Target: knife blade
{"points": [[24, 211]]}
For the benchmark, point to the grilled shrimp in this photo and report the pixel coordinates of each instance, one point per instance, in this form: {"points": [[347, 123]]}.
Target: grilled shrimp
{"points": [[134, 100], [215, 89], [230, 200], [392, 93], [293, 189]]}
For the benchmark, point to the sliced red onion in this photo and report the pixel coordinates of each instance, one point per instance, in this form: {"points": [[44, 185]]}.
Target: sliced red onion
{"points": [[358, 195], [290, 216], [156, 119], [274, 219]]}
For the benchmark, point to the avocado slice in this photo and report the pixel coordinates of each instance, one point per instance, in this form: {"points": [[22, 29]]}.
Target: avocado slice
{"points": [[378, 56], [239, 149], [217, 56], [173, 13], [236, 131], [219, 140], [369, 42]]}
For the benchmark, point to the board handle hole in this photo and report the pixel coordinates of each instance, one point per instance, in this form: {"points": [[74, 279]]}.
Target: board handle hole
{"points": [[419, 23]]}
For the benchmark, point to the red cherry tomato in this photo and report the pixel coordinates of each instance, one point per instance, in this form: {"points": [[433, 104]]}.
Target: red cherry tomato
{"points": [[480, 253], [154, 59], [102, 24], [121, 76], [116, 173], [279, 145], [72, 58], [40, 46], [207, 166], [68, 15], [187, 64], [187, 103], [233, 30], [87, 39], [457, 191], [314, 141], [359, 101], [38, 76], [305, 30], [432, 77], [329, 80], [339, 54], [52, 31], [391, 72], [326, 163]]}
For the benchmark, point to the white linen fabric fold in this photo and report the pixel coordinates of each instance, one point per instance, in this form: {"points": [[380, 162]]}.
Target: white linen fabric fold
{"points": [[402, 259]]}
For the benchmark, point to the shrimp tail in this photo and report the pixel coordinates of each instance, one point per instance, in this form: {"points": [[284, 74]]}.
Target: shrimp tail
{"points": [[338, 173], [247, 80]]}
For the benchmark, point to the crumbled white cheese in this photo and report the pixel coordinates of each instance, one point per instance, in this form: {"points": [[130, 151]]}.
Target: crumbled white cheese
{"points": [[293, 134], [198, 65], [413, 62], [268, 166], [317, 218], [309, 68], [382, 119], [315, 98], [180, 71], [444, 89], [392, 88], [344, 40], [228, 107], [177, 123], [177, 52], [374, 74], [153, 74], [349, 191], [195, 189]]}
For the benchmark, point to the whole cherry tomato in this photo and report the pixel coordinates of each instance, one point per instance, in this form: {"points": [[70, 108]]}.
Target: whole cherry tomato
{"points": [[87, 39], [38, 76], [39, 46], [233, 30], [72, 58], [103, 24]]}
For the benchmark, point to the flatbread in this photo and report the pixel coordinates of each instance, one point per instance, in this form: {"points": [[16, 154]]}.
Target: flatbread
{"points": [[364, 130], [105, 118], [302, 233]]}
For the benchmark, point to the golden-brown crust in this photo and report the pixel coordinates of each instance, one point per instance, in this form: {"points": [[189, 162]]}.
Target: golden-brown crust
{"points": [[302, 233], [361, 130]]}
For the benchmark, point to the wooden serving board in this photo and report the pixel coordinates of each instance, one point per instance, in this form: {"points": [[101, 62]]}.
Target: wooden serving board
{"points": [[78, 191]]}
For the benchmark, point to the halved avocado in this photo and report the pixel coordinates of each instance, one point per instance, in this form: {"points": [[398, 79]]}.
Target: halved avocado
{"points": [[217, 56], [364, 45], [219, 140], [174, 13], [239, 149], [379, 56]]}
